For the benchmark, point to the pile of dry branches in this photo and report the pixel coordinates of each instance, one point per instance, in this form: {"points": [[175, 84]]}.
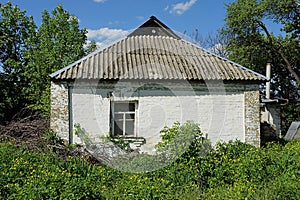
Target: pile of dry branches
{"points": [[27, 127], [31, 129]]}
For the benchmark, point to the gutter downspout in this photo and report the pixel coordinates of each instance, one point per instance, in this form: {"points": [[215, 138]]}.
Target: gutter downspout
{"points": [[268, 75], [70, 111]]}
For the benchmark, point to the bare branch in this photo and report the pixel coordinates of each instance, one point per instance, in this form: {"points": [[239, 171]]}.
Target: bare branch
{"points": [[279, 50]]}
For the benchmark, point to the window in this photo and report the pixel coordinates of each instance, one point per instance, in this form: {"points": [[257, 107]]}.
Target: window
{"points": [[123, 118]]}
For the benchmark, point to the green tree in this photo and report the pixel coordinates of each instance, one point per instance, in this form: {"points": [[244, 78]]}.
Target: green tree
{"points": [[91, 47], [59, 41], [15, 29], [253, 44]]}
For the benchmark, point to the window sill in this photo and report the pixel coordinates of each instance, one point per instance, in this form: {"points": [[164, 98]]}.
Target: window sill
{"points": [[131, 139]]}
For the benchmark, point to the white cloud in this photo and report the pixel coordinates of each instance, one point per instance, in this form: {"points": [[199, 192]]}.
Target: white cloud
{"points": [[141, 18], [88, 42], [181, 8], [99, 1], [105, 35]]}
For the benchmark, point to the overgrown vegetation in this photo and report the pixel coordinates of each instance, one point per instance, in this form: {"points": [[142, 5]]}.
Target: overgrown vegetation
{"points": [[232, 170], [180, 143]]}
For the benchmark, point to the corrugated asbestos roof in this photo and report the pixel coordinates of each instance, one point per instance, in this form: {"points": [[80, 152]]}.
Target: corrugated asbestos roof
{"points": [[155, 57]]}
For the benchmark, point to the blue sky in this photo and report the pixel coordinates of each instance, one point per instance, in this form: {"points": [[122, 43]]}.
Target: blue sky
{"points": [[108, 19]]}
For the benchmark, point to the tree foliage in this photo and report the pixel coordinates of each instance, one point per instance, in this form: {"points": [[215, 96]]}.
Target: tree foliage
{"points": [[58, 42], [15, 29], [29, 54], [253, 44]]}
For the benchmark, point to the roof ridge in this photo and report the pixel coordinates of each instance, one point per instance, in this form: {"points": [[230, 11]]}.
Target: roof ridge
{"points": [[153, 26]]}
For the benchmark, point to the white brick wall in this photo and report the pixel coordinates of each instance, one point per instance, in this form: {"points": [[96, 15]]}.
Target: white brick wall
{"points": [[220, 113], [91, 111], [219, 116]]}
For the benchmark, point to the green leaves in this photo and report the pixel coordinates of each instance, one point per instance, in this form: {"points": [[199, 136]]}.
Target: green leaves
{"points": [[239, 171], [233, 170], [182, 142], [59, 42], [28, 55], [253, 44], [15, 29]]}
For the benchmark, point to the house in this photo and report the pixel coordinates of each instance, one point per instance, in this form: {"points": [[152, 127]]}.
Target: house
{"points": [[151, 79]]}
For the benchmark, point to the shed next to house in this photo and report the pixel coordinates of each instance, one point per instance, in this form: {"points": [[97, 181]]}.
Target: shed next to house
{"points": [[151, 79]]}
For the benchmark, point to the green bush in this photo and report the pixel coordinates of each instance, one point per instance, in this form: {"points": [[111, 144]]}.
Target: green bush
{"points": [[183, 142], [179, 143]]}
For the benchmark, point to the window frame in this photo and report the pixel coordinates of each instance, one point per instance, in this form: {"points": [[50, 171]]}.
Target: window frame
{"points": [[112, 118]]}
